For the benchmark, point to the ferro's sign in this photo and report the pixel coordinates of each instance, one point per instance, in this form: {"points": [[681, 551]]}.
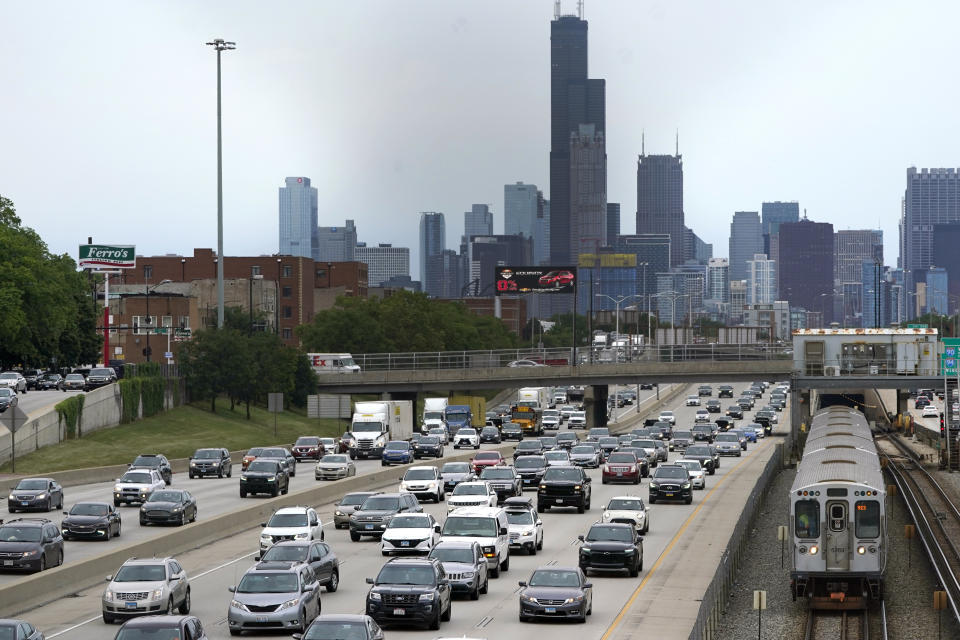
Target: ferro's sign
{"points": [[96, 256]]}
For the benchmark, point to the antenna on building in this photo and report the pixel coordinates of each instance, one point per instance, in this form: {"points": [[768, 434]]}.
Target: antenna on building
{"points": [[804, 213], [580, 9], [556, 10], [678, 142], [643, 142]]}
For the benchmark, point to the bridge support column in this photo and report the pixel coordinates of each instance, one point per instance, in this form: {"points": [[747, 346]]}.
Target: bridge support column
{"points": [[903, 396], [800, 412], [595, 405]]}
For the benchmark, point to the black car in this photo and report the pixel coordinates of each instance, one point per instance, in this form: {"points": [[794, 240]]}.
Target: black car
{"points": [[206, 462], [156, 461], [734, 411], [612, 546], [671, 482], [745, 404], [30, 543], [50, 381], [511, 431], [100, 377], [725, 391], [453, 473], [703, 453], [725, 423], [504, 480], [647, 385], [90, 520], [338, 626], [19, 629], [713, 406], [490, 435], [410, 591], [281, 453], [8, 398], [608, 445], [567, 440], [531, 447], [556, 592], [35, 494], [530, 468], [169, 506], [704, 390], [264, 476], [32, 376], [428, 446], [319, 555], [162, 627], [662, 430], [378, 510], [703, 433], [564, 487]]}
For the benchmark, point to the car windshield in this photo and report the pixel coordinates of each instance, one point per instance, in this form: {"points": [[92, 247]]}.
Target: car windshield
{"points": [[151, 462], [690, 465], [520, 517], [566, 436], [398, 445], [621, 458], [562, 474], [380, 503], [420, 474], [453, 554], [671, 473], [13, 533], [52, 376], [285, 553], [609, 442], [7, 392], [644, 444], [489, 431], [141, 573], [467, 431], [703, 427], [682, 434], [165, 496], [88, 509], [9, 376], [263, 582], [31, 485], [354, 499], [102, 372], [307, 442], [406, 574], [665, 414], [554, 578], [625, 504], [699, 451], [470, 490], [254, 452], [330, 630], [206, 454], [492, 455], [617, 534], [287, 520], [263, 465], [410, 522], [456, 467], [437, 431], [728, 437], [136, 478], [429, 440], [584, 449], [479, 527], [74, 376], [497, 474], [529, 462], [556, 455], [169, 632], [334, 459], [274, 453]]}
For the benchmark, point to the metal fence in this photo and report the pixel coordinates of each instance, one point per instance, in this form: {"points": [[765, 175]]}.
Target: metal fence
{"points": [[717, 594]]}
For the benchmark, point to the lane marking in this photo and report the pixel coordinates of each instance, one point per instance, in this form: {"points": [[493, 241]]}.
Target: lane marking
{"points": [[670, 545]]}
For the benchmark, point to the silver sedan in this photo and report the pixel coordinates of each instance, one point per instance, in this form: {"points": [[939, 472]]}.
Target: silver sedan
{"points": [[334, 467]]}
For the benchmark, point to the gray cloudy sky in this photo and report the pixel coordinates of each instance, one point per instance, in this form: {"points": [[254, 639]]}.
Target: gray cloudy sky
{"points": [[107, 121]]}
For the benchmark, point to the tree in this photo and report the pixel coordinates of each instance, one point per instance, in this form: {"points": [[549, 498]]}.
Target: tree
{"points": [[562, 332]]}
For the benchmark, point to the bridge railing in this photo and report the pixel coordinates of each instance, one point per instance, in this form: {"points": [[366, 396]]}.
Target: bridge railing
{"points": [[566, 356]]}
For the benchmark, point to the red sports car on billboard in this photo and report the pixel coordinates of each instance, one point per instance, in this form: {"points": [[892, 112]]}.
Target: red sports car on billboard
{"points": [[556, 279]]}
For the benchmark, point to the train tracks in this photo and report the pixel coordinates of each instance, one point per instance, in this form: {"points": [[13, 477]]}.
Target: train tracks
{"points": [[830, 625]]}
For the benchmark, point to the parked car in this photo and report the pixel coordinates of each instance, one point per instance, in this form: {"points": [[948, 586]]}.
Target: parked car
{"points": [[169, 506], [87, 520], [465, 566], [156, 462], [334, 466], [206, 462], [136, 485], [410, 591], [556, 592], [318, 555], [31, 544], [145, 586], [263, 596], [347, 505], [612, 546], [264, 475], [168, 626], [40, 494], [410, 533]]}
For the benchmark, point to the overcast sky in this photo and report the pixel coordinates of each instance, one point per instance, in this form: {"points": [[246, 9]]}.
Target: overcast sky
{"points": [[108, 120]]}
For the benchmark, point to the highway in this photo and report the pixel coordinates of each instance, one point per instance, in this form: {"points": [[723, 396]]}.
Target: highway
{"points": [[216, 567], [37, 400]]}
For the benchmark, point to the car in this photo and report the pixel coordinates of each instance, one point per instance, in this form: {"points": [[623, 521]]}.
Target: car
{"points": [[596, 433], [692, 401], [169, 506], [347, 505], [577, 420], [647, 385], [265, 475], [453, 473], [485, 459], [724, 423], [525, 363], [90, 520], [556, 592], [465, 566], [146, 586], [308, 448], [771, 416], [504, 480], [564, 487], [608, 444], [440, 432], [488, 527], [13, 380], [410, 533], [585, 456], [611, 546], [490, 435], [31, 544], [530, 468], [649, 446], [531, 447], [100, 377], [136, 485], [682, 439], [629, 510], [398, 452], [548, 442], [466, 437], [747, 402], [290, 523], [476, 493], [725, 391], [8, 398], [705, 390], [502, 410], [205, 462], [157, 462], [345, 442], [702, 415], [696, 472], [735, 411], [565, 411], [703, 453], [430, 446], [249, 457], [921, 402], [667, 416], [50, 381], [567, 439], [551, 419], [621, 467], [274, 595], [556, 279], [163, 626], [19, 630], [511, 431], [713, 406], [930, 411], [376, 512], [524, 525], [557, 458], [741, 438], [749, 432], [424, 482], [32, 376], [670, 482], [340, 627], [410, 591], [35, 494], [703, 432], [334, 466], [283, 454], [74, 382], [728, 444]]}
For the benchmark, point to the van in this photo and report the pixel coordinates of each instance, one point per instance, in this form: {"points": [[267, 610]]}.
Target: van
{"points": [[488, 527], [324, 363]]}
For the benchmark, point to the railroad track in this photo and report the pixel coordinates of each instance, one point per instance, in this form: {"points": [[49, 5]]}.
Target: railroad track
{"points": [[845, 625]]}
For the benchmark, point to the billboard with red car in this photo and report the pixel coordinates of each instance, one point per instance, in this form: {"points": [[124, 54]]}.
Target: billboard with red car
{"points": [[520, 280]]}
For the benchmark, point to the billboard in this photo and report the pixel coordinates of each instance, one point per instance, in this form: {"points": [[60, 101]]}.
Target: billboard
{"points": [[520, 280], [100, 256]]}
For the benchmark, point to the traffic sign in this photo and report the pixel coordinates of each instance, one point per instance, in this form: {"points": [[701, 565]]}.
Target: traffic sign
{"points": [[168, 355], [950, 360], [13, 418], [918, 326]]}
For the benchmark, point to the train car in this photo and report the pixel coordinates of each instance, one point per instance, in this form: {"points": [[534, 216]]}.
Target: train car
{"points": [[838, 514], [865, 352]]}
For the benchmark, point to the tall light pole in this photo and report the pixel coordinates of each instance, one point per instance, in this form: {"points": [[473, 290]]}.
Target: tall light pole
{"points": [[219, 44], [616, 301]]}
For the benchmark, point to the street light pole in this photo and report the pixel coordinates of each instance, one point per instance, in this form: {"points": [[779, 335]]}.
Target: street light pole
{"points": [[150, 323], [219, 44]]}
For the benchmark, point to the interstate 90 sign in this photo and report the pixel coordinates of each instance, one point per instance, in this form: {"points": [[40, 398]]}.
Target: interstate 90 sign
{"points": [[520, 280]]}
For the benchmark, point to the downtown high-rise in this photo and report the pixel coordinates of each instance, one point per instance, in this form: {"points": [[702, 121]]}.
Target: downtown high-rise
{"points": [[932, 197], [746, 240], [298, 218], [805, 266], [772, 214], [660, 200], [588, 191], [433, 242]]}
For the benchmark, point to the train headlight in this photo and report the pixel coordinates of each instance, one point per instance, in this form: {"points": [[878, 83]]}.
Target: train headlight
{"points": [[861, 550], [813, 550], [802, 550]]}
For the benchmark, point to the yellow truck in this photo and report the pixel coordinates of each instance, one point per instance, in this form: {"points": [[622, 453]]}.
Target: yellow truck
{"points": [[528, 418]]}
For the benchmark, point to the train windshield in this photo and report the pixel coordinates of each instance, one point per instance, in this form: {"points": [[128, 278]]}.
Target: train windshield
{"points": [[807, 523], [867, 519]]}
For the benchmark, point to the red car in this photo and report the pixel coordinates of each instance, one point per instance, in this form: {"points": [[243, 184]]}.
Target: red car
{"points": [[308, 448], [621, 467], [486, 459], [556, 279]]}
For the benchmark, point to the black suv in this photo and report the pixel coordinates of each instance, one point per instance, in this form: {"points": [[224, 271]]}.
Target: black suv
{"points": [[264, 476], [410, 591], [156, 461], [705, 390], [703, 433], [703, 453], [528, 448], [210, 462], [530, 469], [725, 391], [612, 546], [713, 406], [376, 512], [30, 543], [504, 480], [671, 482], [511, 431], [564, 487], [734, 411], [100, 377]]}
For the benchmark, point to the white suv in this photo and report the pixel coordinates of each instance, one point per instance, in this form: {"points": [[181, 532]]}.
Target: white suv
{"points": [[136, 485], [424, 482], [667, 416], [290, 523], [693, 401], [472, 494], [488, 527], [466, 437]]}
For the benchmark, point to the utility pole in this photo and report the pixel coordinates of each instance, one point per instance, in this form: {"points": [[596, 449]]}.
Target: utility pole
{"points": [[219, 44]]}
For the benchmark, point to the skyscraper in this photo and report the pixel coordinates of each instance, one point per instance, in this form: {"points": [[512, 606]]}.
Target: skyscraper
{"points": [[541, 232], [653, 257], [852, 247], [937, 287], [487, 252], [774, 213], [433, 240], [660, 200], [520, 202], [444, 275], [613, 222], [805, 267], [336, 244], [932, 197], [946, 240], [695, 249], [718, 279], [384, 262], [298, 218], [761, 280], [746, 240], [588, 191], [574, 100], [477, 222]]}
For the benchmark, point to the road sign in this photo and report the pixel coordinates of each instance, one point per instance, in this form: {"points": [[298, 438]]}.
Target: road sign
{"points": [[274, 402], [950, 361], [13, 418], [759, 600], [101, 256], [918, 326], [168, 355]]}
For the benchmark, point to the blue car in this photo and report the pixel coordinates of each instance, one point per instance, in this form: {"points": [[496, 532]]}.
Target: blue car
{"points": [[396, 452], [750, 432]]}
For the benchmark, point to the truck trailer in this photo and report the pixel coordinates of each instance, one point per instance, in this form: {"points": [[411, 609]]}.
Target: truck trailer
{"points": [[376, 423]]}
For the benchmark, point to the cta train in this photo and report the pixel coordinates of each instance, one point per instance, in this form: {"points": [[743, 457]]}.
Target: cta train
{"points": [[838, 515]]}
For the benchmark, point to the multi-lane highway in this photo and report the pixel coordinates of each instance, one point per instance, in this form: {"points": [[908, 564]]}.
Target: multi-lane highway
{"points": [[37, 400]]}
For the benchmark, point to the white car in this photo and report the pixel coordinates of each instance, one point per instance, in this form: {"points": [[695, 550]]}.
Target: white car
{"points": [[565, 411], [760, 431], [930, 411], [13, 380], [410, 533], [557, 458], [424, 482], [290, 523], [693, 401], [466, 437], [578, 420], [525, 527], [551, 419], [628, 509], [695, 470], [702, 416], [667, 416], [472, 494], [440, 432], [136, 485]]}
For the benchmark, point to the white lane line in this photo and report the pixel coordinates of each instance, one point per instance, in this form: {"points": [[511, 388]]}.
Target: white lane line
{"points": [[69, 629]]}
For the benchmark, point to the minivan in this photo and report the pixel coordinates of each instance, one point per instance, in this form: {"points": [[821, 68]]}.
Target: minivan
{"points": [[488, 527]]}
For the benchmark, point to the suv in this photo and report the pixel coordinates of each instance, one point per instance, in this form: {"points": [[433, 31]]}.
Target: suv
{"points": [[725, 391], [276, 596], [397, 452], [264, 476], [136, 485], [308, 448], [13, 380], [32, 376], [347, 505], [528, 448], [713, 406], [530, 468], [100, 377], [465, 566], [578, 420], [563, 487], [682, 439], [705, 390], [378, 510], [410, 591], [612, 546], [209, 462], [290, 523], [30, 543], [318, 555], [162, 626], [671, 482], [155, 461], [703, 432], [35, 493], [504, 480], [488, 527], [524, 525], [146, 586], [423, 482], [703, 453]]}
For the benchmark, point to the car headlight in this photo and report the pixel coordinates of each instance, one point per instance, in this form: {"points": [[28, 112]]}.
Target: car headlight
{"points": [[27, 554], [375, 596], [629, 551], [585, 549], [606, 515], [193, 464], [431, 485], [686, 485], [265, 536], [117, 488], [303, 536], [427, 597], [527, 598], [527, 533], [236, 604], [338, 513], [176, 509], [271, 478], [575, 599], [289, 603], [157, 594], [543, 486], [243, 476], [41, 496], [654, 485]]}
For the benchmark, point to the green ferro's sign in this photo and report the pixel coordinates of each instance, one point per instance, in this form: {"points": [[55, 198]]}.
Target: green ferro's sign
{"points": [[98, 256]]}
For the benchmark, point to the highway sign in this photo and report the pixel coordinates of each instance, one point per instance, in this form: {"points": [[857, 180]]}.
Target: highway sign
{"points": [[950, 361], [13, 418]]}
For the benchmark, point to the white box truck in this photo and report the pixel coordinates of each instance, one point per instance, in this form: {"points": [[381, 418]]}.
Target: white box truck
{"points": [[434, 414], [537, 398], [324, 363], [376, 423]]}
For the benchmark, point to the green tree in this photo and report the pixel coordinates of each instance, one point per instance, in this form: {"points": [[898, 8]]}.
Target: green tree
{"points": [[561, 334]]}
